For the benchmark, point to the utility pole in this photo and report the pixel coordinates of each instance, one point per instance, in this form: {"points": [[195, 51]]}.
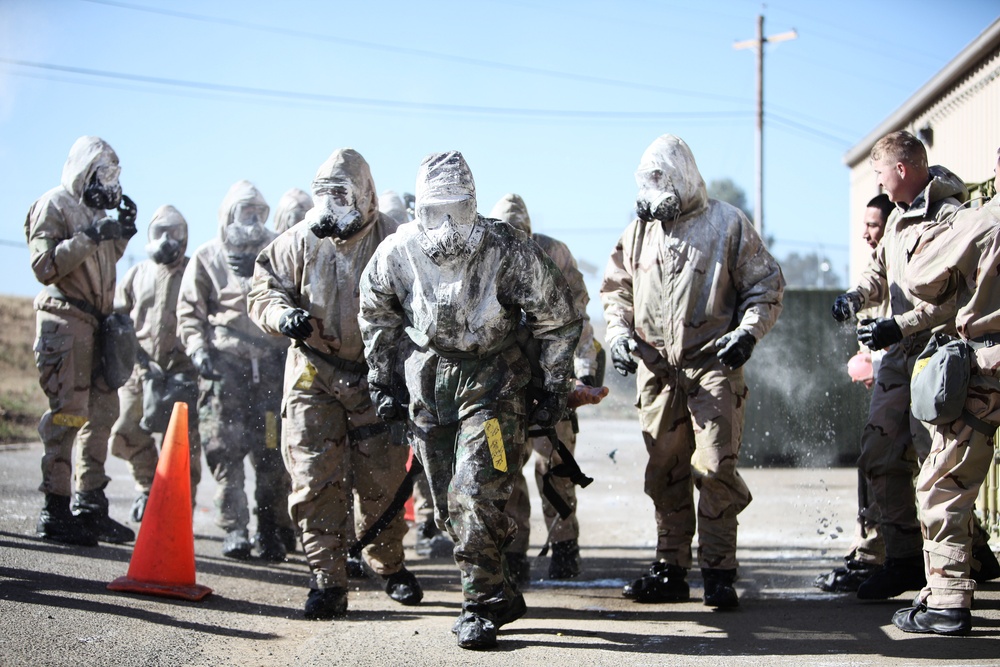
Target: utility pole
{"points": [[758, 44]]}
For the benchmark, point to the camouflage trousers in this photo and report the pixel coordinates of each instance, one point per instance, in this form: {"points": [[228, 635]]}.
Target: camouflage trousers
{"points": [[335, 447], [138, 447], [239, 418], [947, 488], [519, 506], [81, 406], [893, 444], [423, 502], [693, 431], [867, 546]]}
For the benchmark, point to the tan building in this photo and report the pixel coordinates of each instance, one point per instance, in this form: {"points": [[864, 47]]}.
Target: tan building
{"points": [[957, 116]]}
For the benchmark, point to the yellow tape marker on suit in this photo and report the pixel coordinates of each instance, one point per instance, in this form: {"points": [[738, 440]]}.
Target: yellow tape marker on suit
{"points": [[495, 440], [920, 365], [270, 430]]}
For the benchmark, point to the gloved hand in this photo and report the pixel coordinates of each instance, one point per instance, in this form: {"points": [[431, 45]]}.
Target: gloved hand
{"points": [[241, 263], [588, 380], [202, 360], [879, 334], [846, 305], [105, 229], [155, 371], [621, 356], [126, 217], [387, 406], [735, 348], [294, 323], [549, 409]]}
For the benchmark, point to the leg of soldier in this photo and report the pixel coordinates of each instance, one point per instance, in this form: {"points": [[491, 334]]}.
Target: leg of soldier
{"points": [[130, 442], [717, 406], [224, 439], [889, 458], [194, 449], [519, 509], [560, 530], [666, 428], [868, 546], [94, 436]]}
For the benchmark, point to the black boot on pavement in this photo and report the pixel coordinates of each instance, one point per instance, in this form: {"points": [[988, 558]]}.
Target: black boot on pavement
{"points": [[236, 544], [934, 621], [325, 604], [895, 577], [565, 562], [92, 508], [475, 632], [847, 578], [404, 588], [719, 591], [664, 583], [57, 523]]}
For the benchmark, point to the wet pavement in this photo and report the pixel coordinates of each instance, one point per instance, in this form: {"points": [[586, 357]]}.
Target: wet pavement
{"points": [[55, 608]]}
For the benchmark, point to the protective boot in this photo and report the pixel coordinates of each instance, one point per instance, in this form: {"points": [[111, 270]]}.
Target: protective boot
{"points": [[139, 507], [92, 509], [845, 579], [269, 543], [404, 588], [289, 537], [719, 591], [475, 632], [519, 567], [565, 562], [356, 568], [324, 604], [922, 618], [236, 544], [989, 568], [895, 577], [58, 524], [501, 614], [664, 583], [432, 542]]}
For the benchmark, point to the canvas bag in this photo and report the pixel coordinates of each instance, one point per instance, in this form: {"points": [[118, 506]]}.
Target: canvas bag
{"points": [[940, 381]]}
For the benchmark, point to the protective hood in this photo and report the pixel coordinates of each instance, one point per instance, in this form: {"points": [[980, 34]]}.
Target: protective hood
{"points": [[444, 178], [347, 167], [292, 207], [944, 183], [673, 157], [511, 209], [242, 192], [392, 205], [86, 155], [168, 218]]}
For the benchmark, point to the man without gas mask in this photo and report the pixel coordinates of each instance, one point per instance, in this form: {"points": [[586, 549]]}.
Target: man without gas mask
{"points": [[163, 372], [241, 371], [689, 290], [454, 285], [305, 287], [74, 247]]}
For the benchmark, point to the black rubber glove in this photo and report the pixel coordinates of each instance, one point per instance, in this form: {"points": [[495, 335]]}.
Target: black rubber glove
{"points": [[549, 409], [735, 348], [846, 305], [294, 323], [126, 217], [621, 356], [241, 263], [105, 229], [387, 406], [879, 334], [202, 360], [588, 380]]}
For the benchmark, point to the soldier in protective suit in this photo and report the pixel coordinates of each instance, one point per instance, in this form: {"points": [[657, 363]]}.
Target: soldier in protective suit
{"points": [[456, 285], [148, 294], [690, 289], [305, 287], [291, 209], [74, 247], [241, 369], [563, 534]]}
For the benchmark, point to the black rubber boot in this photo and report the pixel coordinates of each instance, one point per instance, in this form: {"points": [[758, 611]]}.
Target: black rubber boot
{"points": [[356, 568], [519, 566], [989, 568], [138, 507], [270, 546], [664, 583], [404, 588], [326, 604], [475, 632], [92, 508], [847, 578], [236, 544], [432, 542], [719, 591], [935, 621], [565, 562], [895, 577], [57, 523]]}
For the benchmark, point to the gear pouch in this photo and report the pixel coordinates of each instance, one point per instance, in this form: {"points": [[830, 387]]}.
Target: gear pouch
{"points": [[118, 349], [940, 381]]}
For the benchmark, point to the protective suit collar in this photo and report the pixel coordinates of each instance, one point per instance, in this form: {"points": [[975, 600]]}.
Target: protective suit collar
{"points": [[85, 156], [512, 210], [241, 192], [943, 184], [672, 156], [291, 209]]}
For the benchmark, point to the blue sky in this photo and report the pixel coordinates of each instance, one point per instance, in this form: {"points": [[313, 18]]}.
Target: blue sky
{"points": [[555, 101]]}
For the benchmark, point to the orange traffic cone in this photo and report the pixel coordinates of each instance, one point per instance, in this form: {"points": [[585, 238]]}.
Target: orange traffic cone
{"points": [[163, 559]]}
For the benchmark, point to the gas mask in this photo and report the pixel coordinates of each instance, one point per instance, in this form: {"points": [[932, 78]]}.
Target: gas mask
{"points": [[103, 191], [247, 227], [335, 211], [657, 199], [448, 224], [164, 250]]}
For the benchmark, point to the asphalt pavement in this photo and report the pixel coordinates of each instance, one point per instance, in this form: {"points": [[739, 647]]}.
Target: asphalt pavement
{"points": [[55, 608]]}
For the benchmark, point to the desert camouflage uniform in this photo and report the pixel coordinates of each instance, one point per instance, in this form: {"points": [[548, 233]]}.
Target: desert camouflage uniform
{"points": [[239, 414], [675, 288], [74, 268], [961, 254], [148, 294], [466, 377], [332, 441], [894, 443]]}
